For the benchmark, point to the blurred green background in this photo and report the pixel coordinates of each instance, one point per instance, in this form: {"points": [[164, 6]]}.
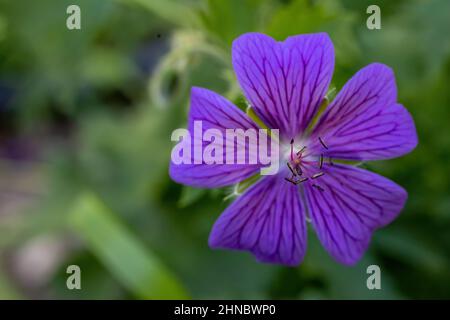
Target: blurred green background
{"points": [[85, 123]]}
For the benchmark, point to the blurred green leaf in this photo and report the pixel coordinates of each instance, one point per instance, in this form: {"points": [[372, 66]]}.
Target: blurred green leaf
{"points": [[415, 56], [106, 100], [7, 291], [173, 11], [2, 27], [304, 16], [228, 19], [311, 17], [121, 253], [190, 195], [347, 282], [408, 247]]}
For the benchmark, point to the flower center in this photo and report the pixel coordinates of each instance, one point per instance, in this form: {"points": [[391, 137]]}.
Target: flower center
{"points": [[303, 165]]}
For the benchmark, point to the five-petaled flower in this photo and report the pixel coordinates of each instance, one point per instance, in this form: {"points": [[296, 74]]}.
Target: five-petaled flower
{"points": [[285, 83]]}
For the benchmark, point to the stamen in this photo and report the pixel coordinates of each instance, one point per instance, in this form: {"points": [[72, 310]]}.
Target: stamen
{"points": [[321, 161], [317, 175], [301, 180], [323, 143], [301, 150], [299, 170], [292, 149], [318, 187], [290, 168], [291, 181]]}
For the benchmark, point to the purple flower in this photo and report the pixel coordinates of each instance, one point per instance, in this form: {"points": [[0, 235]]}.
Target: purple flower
{"points": [[285, 83]]}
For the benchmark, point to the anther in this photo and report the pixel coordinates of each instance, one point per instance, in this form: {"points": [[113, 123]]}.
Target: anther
{"points": [[323, 143], [301, 180], [318, 187], [301, 150], [290, 168], [317, 175], [291, 181], [321, 161]]}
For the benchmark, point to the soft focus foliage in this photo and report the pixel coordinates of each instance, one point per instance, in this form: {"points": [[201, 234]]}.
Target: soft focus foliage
{"points": [[86, 118]]}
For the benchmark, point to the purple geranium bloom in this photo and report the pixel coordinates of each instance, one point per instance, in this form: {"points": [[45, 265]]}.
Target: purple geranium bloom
{"points": [[285, 83]]}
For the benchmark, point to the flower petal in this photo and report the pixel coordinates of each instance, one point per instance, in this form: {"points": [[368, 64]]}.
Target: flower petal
{"points": [[267, 220], [351, 204], [284, 81], [365, 122], [215, 112]]}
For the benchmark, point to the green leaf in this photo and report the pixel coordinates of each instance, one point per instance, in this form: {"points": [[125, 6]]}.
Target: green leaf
{"points": [[122, 254]]}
